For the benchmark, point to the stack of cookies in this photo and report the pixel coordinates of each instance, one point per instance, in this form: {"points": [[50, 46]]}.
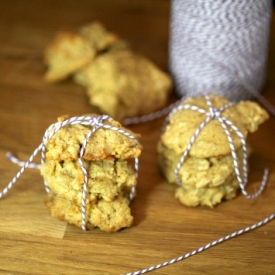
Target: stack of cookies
{"points": [[118, 81], [111, 176], [207, 173]]}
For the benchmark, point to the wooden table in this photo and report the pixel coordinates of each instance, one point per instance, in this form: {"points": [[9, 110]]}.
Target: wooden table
{"points": [[32, 242]]}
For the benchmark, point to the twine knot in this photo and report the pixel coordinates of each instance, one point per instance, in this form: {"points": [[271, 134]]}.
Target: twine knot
{"points": [[214, 113]]}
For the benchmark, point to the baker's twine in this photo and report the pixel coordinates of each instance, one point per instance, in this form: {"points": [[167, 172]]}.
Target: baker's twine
{"points": [[96, 123]]}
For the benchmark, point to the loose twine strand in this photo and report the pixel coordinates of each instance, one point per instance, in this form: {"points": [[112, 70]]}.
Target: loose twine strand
{"points": [[96, 124], [205, 247]]}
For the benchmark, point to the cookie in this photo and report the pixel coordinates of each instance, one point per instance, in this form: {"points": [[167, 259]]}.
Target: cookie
{"points": [[103, 144], [197, 172], [212, 141], [111, 177], [210, 196], [66, 54], [124, 84], [108, 216], [69, 51], [106, 179], [100, 38], [206, 181]]}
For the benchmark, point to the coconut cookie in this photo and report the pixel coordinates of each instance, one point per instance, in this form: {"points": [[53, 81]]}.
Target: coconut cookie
{"points": [[207, 174], [111, 176]]}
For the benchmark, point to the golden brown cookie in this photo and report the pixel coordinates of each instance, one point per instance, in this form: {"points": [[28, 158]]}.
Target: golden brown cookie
{"points": [[124, 84], [106, 179], [205, 181], [104, 144], [210, 196], [212, 141], [100, 38], [197, 172], [108, 216], [66, 54]]}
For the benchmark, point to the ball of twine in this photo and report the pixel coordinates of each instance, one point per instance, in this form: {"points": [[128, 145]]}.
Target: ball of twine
{"points": [[219, 47]]}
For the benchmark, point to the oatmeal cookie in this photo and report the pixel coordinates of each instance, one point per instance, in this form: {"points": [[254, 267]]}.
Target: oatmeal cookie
{"points": [[210, 196], [106, 179], [108, 216], [69, 52], [104, 144], [100, 38], [212, 141], [66, 54], [197, 172]]}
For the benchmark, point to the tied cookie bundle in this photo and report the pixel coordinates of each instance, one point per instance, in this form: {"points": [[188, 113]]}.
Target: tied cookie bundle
{"points": [[203, 148], [118, 81], [88, 173]]}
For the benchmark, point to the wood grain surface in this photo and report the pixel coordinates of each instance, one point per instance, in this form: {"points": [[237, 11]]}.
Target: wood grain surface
{"points": [[32, 242]]}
